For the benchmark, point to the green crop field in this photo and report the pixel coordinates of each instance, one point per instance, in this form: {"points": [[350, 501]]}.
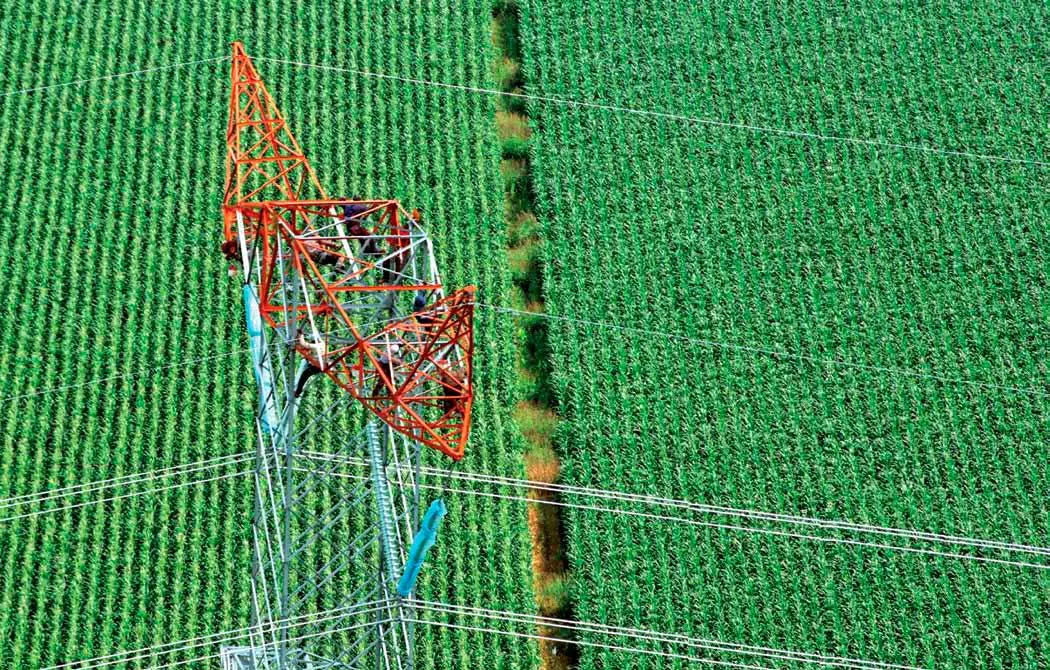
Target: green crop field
{"points": [[877, 256], [845, 330], [110, 230]]}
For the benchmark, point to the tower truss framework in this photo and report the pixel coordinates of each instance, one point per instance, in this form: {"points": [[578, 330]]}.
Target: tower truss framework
{"points": [[348, 290]]}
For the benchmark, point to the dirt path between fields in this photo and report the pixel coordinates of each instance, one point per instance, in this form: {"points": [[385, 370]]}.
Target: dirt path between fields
{"points": [[536, 414]]}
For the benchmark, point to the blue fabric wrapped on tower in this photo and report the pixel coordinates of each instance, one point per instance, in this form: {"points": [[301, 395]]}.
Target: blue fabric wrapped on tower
{"points": [[263, 375], [424, 539]]}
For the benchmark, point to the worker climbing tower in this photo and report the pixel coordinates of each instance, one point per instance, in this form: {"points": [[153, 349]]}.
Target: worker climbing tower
{"points": [[349, 290]]}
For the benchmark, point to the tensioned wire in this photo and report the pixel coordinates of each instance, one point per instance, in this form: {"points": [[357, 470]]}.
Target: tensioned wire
{"points": [[230, 635], [571, 102], [587, 643], [125, 495], [756, 515], [655, 636], [605, 494], [115, 75], [125, 480], [713, 344], [534, 636], [156, 368], [325, 616], [766, 351], [445, 489], [344, 629]]}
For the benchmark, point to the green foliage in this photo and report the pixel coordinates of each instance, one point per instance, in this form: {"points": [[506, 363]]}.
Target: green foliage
{"points": [[507, 74], [553, 594], [111, 228], [884, 257], [513, 132]]}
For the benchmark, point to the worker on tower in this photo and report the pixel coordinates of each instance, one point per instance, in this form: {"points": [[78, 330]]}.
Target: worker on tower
{"points": [[427, 318], [452, 381], [398, 242], [320, 254], [312, 350], [354, 215], [231, 249], [353, 210], [388, 362]]}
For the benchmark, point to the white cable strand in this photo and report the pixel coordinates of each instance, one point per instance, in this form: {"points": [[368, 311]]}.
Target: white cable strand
{"points": [[493, 480], [48, 495], [714, 344], [669, 638], [748, 529], [344, 629], [114, 76], [606, 494], [584, 643], [125, 495], [127, 375], [669, 115], [226, 635], [178, 364], [731, 527], [757, 515]]}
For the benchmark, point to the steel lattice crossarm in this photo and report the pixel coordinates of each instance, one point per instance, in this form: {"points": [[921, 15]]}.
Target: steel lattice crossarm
{"points": [[263, 158], [346, 289], [354, 283]]}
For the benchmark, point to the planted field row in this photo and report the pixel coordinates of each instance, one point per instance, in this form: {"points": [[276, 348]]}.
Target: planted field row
{"points": [[112, 228], [837, 252]]}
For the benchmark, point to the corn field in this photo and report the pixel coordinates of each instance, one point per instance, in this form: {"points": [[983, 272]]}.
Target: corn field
{"points": [[112, 228], [756, 243]]}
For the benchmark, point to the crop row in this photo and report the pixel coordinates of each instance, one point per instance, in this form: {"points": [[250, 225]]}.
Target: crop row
{"points": [[111, 226], [755, 243]]}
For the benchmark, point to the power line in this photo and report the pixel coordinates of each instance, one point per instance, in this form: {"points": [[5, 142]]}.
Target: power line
{"points": [[198, 642], [570, 102], [125, 495], [757, 515], [776, 353], [156, 368], [714, 510], [126, 375], [587, 643], [656, 636], [336, 615], [751, 515], [607, 494], [729, 527], [713, 344], [126, 480], [116, 75], [297, 638], [749, 529]]}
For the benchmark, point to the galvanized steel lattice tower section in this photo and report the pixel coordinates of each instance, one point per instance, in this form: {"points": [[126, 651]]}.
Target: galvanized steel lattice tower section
{"points": [[344, 289]]}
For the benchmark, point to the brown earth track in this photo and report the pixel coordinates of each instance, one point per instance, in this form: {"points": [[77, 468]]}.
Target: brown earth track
{"points": [[536, 414]]}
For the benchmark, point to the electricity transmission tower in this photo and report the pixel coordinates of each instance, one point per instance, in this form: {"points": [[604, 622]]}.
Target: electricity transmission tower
{"points": [[346, 289]]}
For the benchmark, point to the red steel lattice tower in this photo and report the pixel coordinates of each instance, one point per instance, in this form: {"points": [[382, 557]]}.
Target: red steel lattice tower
{"points": [[353, 283]]}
